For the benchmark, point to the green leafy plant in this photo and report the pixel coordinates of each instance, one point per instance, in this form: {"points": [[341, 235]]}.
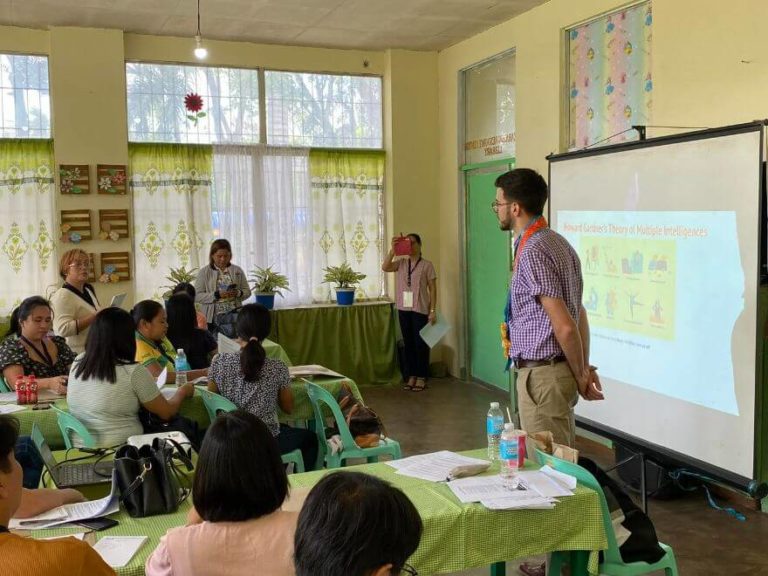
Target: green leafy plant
{"points": [[267, 281], [177, 276], [343, 276]]}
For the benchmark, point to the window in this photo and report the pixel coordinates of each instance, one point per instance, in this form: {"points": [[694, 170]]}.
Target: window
{"points": [[156, 110], [610, 87], [323, 110], [25, 103]]}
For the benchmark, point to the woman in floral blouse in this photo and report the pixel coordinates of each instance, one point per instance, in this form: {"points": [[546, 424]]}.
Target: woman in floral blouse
{"points": [[28, 349]]}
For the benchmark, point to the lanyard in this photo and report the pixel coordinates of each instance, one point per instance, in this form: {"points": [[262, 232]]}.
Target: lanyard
{"points": [[44, 354], [157, 346], [533, 226], [85, 294], [410, 271]]}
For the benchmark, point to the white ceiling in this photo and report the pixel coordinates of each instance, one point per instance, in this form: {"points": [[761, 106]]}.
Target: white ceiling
{"points": [[362, 24]]}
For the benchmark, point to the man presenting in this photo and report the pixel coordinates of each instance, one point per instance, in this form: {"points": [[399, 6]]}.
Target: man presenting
{"points": [[546, 322]]}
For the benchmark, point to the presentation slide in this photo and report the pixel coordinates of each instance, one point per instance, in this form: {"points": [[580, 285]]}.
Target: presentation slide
{"points": [[668, 237]]}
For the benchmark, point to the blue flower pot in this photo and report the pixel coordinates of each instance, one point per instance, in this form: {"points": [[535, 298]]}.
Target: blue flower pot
{"points": [[266, 300], [345, 296]]}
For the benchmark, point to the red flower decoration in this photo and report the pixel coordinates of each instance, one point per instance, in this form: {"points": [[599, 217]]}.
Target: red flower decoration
{"points": [[193, 102]]}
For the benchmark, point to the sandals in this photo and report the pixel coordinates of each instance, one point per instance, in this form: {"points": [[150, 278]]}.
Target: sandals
{"points": [[420, 385], [408, 386], [533, 568]]}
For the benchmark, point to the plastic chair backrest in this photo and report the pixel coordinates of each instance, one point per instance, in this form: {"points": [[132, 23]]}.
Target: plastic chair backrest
{"points": [[4, 385], [68, 423], [215, 403], [584, 477], [317, 395]]}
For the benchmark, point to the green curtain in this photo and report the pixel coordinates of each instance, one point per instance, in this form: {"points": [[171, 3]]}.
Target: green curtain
{"points": [[347, 217], [27, 262], [356, 341], [171, 185]]}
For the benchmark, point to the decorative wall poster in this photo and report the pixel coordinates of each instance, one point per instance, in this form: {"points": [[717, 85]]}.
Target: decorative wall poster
{"points": [[115, 267], [113, 224], [75, 226], [74, 179], [111, 178]]}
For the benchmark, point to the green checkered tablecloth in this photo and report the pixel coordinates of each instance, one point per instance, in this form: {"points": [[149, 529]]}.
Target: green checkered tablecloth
{"points": [[192, 408], [456, 536]]}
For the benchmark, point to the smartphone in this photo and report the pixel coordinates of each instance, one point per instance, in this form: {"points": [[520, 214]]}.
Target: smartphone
{"points": [[42, 406], [98, 523]]}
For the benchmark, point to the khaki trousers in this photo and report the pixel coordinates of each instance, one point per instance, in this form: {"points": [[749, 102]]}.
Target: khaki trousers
{"points": [[546, 396]]}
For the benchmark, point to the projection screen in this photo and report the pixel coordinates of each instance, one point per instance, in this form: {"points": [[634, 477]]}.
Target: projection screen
{"points": [[668, 234]]}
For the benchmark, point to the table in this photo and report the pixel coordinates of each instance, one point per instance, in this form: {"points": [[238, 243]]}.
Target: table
{"points": [[357, 340], [456, 536], [192, 408]]}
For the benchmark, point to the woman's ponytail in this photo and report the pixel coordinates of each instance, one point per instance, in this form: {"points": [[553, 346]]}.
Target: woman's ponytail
{"points": [[252, 357], [253, 325]]}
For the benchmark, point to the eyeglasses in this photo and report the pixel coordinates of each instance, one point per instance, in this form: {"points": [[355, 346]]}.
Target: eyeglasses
{"points": [[496, 204], [408, 569], [84, 265]]}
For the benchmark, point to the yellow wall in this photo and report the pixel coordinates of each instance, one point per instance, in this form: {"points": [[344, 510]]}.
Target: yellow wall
{"points": [[698, 75], [89, 110]]}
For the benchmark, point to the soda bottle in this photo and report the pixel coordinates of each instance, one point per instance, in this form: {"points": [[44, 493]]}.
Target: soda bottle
{"points": [[32, 389], [21, 390]]}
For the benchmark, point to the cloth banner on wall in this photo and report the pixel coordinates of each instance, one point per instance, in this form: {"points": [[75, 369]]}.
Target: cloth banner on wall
{"points": [[347, 218], [171, 185], [27, 262], [610, 84]]}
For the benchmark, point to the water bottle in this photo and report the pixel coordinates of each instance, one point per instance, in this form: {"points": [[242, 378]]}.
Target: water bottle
{"points": [[509, 455], [182, 367], [494, 424]]}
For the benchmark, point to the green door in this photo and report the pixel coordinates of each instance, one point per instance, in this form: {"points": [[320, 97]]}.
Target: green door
{"points": [[488, 269]]}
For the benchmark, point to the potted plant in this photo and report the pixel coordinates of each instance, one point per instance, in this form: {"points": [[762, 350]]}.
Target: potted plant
{"points": [[345, 279], [177, 276], [267, 283]]}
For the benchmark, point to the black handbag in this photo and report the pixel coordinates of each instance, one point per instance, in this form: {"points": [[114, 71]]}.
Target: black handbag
{"points": [[226, 323], [147, 478]]}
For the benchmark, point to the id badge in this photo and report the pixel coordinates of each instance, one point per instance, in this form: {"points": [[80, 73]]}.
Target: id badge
{"points": [[407, 299]]}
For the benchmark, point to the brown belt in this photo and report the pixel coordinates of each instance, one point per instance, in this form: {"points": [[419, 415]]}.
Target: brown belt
{"points": [[539, 363]]}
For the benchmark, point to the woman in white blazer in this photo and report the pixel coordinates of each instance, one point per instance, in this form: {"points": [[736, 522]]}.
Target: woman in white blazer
{"points": [[74, 304]]}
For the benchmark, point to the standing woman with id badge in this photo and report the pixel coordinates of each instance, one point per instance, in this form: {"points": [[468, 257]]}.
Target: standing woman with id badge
{"points": [[416, 301]]}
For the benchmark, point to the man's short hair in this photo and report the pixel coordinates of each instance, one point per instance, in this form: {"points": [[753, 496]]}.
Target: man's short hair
{"points": [[9, 433], [352, 524], [526, 187]]}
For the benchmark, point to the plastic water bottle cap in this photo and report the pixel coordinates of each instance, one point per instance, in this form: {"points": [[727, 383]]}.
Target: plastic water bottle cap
{"points": [[180, 351], [494, 404]]}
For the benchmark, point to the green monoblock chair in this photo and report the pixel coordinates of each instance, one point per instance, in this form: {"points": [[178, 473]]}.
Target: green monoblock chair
{"points": [[216, 403], [612, 564], [4, 385], [317, 396], [69, 424]]}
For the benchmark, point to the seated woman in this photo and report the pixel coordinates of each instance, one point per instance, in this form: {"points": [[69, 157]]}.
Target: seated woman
{"points": [[189, 290], [153, 349], [258, 384], [357, 525], [199, 345], [107, 387], [29, 350], [236, 526]]}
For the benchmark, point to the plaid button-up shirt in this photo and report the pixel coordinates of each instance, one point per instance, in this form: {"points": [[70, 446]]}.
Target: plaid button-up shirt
{"points": [[547, 266]]}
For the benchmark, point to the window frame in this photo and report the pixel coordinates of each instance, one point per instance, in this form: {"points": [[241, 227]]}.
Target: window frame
{"points": [[47, 56], [262, 72]]}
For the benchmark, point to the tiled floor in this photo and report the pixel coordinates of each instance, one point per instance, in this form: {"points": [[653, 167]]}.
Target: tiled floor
{"points": [[451, 414]]}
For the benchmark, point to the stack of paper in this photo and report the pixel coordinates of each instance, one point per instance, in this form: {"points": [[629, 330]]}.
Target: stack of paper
{"points": [[71, 512], [312, 370], [10, 408], [537, 490], [435, 466], [117, 551], [226, 344]]}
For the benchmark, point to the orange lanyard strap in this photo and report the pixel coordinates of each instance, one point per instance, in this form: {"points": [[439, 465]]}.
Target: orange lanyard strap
{"points": [[539, 223]]}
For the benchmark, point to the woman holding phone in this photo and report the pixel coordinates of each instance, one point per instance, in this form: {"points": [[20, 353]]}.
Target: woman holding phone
{"points": [[221, 286]]}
